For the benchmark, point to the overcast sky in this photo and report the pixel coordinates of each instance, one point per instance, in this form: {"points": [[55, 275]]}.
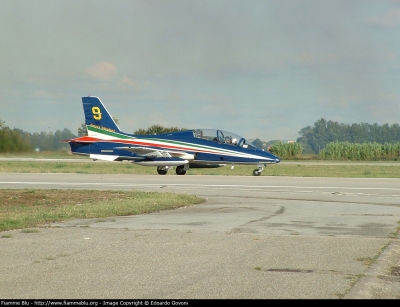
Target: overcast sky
{"points": [[258, 68]]}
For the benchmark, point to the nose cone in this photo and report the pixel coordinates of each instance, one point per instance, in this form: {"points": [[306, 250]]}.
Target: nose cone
{"points": [[277, 160]]}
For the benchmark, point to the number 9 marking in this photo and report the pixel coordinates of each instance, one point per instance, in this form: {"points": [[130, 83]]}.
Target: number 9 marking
{"points": [[96, 113]]}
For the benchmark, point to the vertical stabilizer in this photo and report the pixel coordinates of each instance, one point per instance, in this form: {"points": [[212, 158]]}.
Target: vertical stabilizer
{"points": [[97, 114]]}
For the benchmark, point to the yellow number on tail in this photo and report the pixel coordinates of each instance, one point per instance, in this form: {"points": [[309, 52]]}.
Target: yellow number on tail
{"points": [[96, 113]]}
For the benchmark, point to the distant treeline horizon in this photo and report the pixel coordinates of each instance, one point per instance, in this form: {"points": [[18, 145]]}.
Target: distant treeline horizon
{"points": [[312, 139]]}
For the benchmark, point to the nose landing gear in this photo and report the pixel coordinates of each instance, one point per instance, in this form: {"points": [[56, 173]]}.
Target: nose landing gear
{"points": [[257, 171]]}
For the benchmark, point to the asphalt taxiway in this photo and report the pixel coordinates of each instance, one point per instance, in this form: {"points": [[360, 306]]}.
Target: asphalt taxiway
{"points": [[254, 237]]}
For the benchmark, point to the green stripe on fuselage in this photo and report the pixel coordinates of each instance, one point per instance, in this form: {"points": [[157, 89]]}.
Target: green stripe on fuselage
{"points": [[109, 133]]}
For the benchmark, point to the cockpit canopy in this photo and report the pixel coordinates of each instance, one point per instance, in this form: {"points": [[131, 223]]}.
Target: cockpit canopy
{"points": [[223, 137]]}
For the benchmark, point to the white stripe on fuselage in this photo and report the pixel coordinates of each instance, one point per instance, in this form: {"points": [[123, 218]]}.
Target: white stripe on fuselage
{"points": [[171, 145]]}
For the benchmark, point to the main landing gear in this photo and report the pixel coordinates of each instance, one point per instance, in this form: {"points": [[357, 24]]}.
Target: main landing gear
{"points": [[180, 170], [162, 170]]}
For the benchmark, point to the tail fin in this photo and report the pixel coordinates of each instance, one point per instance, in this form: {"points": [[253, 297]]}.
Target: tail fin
{"points": [[96, 114]]}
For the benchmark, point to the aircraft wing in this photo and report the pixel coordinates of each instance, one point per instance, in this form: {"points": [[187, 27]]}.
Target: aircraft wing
{"points": [[154, 153]]}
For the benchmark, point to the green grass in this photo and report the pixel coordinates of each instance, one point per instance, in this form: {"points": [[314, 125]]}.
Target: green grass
{"points": [[27, 208], [305, 169]]}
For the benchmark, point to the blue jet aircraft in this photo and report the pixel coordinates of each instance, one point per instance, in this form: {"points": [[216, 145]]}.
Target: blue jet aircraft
{"points": [[195, 148]]}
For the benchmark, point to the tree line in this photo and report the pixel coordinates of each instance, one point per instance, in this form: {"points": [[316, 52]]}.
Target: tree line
{"points": [[316, 139], [16, 140]]}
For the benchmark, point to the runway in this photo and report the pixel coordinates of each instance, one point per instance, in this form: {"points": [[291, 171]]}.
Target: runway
{"points": [[254, 237]]}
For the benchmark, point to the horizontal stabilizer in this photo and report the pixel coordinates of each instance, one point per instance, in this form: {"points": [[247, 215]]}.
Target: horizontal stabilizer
{"points": [[82, 139]]}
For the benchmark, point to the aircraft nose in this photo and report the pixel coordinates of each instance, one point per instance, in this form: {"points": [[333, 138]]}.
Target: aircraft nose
{"points": [[277, 160]]}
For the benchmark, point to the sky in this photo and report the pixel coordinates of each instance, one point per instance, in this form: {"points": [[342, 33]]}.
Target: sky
{"points": [[262, 68]]}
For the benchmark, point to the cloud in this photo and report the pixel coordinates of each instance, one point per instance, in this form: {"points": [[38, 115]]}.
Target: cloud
{"points": [[390, 20], [130, 82], [102, 70]]}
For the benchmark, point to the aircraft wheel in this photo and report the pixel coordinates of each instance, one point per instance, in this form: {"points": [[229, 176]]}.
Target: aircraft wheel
{"points": [[256, 172], [161, 170], [180, 170]]}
